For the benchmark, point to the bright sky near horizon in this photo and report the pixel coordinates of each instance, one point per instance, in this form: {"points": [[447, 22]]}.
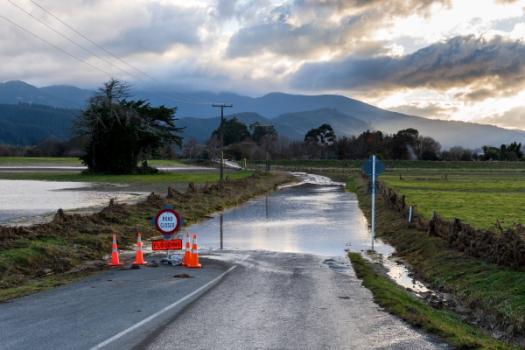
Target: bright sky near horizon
{"points": [[447, 59]]}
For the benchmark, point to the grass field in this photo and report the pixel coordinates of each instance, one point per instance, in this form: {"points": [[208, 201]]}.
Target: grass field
{"points": [[196, 177], [396, 164], [476, 197], [70, 161]]}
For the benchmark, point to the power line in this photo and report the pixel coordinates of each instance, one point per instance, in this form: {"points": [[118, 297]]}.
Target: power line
{"points": [[69, 39], [182, 98], [85, 37], [54, 46]]}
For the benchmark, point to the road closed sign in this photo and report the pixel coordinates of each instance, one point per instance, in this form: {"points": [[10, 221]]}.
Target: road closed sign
{"points": [[168, 222], [174, 244]]}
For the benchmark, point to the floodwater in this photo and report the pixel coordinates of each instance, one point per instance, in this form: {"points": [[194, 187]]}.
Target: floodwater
{"points": [[316, 216], [24, 201]]}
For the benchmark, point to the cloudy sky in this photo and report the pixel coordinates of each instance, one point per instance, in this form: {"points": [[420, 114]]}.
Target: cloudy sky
{"points": [[447, 59]]}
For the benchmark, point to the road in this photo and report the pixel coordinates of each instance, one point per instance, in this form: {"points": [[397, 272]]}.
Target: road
{"points": [[269, 300], [89, 312], [288, 301]]}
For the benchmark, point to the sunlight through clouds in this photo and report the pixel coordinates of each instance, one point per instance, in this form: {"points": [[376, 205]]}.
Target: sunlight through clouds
{"points": [[447, 59]]}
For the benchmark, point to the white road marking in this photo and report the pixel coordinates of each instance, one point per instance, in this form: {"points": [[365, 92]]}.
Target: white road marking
{"points": [[160, 312]]}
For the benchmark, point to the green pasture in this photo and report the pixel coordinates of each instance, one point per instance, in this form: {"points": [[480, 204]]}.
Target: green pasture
{"points": [[71, 161], [479, 198], [163, 177]]}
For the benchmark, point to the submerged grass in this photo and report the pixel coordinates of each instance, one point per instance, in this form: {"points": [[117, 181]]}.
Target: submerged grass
{"points": [[442, 323], [41, 256]]}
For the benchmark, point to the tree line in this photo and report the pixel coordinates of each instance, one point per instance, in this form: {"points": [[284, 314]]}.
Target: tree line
{"points": [[258, 141]]}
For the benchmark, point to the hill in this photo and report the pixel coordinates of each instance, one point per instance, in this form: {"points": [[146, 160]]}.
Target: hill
{"points": [[292, 125], [29, 124], [291, 114], [61, 96]]}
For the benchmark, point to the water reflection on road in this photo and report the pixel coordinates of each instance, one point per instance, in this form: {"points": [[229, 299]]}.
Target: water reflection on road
{"points": [[317, 217]]}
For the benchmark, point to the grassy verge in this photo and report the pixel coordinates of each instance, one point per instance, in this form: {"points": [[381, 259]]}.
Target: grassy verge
{"points": [[398, 301], [41, 256], [497, 293], [196, 177]]}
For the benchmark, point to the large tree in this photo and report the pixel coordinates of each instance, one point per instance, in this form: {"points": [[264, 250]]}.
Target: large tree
{"points": [[119, 130], [234, 131]]}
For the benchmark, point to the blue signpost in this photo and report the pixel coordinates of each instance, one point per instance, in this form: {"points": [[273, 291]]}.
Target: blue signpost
{"points": [[373, 168]]}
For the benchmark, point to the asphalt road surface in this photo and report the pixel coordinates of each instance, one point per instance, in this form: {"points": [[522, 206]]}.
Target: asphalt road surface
{"points": [[239, 300], [287, 301], [84, 314]]}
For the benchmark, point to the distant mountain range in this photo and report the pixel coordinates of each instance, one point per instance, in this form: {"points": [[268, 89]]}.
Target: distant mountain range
{"points": [[292, 115], [30, 124]]}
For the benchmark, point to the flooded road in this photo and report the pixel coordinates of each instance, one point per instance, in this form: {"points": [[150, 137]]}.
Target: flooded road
{"points": [[316, 217], [25, 201]]}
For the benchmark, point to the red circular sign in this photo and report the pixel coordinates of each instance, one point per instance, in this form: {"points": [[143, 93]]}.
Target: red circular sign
{"points": [[168, 221]]}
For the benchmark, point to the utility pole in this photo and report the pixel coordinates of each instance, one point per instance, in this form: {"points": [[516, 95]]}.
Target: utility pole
{"points": [[373, 200], [221, 132]]}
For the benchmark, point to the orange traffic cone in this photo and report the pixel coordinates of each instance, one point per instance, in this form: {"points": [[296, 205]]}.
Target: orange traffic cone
{"points": [[194, 260], [139, 255], [187, 251], [114, 253]]}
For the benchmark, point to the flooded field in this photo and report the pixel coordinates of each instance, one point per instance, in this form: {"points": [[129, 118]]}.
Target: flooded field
{"points": [[24, 202]]}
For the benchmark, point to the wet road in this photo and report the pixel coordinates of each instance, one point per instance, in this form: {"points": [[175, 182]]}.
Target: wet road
{"points": [[288, 301]]}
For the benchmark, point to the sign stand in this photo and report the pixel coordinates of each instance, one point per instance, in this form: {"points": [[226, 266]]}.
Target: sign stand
{"points": [[168, 222], [373, 168]]}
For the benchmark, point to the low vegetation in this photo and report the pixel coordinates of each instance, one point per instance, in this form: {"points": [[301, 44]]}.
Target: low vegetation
{"points": [[41, 256]]}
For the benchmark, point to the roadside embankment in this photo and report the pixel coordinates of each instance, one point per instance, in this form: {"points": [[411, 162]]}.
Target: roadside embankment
{"points": [[418, 313], [487, 294], [45, 255]]}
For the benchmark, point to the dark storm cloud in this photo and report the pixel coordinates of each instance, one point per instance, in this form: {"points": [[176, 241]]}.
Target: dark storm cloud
{"points": [[168, 25], [280, 33], [498, 63]]}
